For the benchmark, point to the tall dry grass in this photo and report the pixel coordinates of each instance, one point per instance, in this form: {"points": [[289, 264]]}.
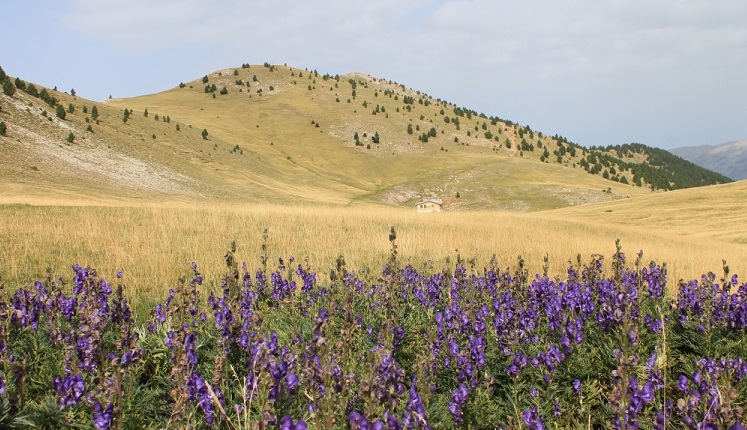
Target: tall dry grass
{"points": [[154, 245]]}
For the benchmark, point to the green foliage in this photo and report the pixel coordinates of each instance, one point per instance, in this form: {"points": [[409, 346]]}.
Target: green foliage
{"points": [[60, 112], [49, 99], [94, 113], [89, 128], [409, 129], [205, 79], [8, 88], [660, 169], [3, 128], [31, 90], [70, 108], [224, 91], [3, 75], [145, 112], [20, 84], [70, 137], [204, 133], [375, 138]]}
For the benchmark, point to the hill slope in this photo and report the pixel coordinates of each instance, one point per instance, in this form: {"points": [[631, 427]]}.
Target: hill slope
{"points": [[284, 135], [729, 159]]}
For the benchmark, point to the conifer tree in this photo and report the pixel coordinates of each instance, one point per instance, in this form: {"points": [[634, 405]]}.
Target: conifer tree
{"points": [[94, 113], [60, 112], [8, 88], [204, 133], [3, 128]]}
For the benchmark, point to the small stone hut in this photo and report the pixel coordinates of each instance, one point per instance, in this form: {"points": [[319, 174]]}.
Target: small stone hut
{"points": [[429, 205]]}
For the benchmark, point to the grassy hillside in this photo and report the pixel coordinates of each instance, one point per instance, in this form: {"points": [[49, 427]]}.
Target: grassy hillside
{"points": [[277, 134]]}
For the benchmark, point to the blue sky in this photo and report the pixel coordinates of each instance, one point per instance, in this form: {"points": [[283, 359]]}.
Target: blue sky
{"points": [[662, 73]]}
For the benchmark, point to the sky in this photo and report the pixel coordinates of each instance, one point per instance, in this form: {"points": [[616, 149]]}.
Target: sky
{"points": [[598, 72]]}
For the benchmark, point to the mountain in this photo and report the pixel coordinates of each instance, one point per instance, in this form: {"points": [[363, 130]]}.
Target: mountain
{"points": [[729, 159], [284, 135]]}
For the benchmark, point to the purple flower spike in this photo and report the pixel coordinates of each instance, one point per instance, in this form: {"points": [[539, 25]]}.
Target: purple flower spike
{"points": [[532, 419], [682, 383], [357, 421], [647, 393], [576, 386], [292, 381], [102, 417]]}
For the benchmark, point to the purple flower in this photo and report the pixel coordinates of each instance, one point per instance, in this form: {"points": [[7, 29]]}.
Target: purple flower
{"points": [[682, 383], [532, 419], [286, 423], [69, 389], [357, 421], [576, 386], [292, 381], [647, 393], [102, 417]]}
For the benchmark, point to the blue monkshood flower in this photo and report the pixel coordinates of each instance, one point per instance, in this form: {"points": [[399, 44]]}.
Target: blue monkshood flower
{"points": [[102, 417], [647, 393], [651, 363], [577, 386], [459, 398], [69, 389], [532, 419], [453, 348], [190, 345], [197, 390], [292, 381], [682, 383], [286, 423], [357, 421]]}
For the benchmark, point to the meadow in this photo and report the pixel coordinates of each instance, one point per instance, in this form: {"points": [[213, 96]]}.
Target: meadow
{"points": [[154, 244], [609, 344]]}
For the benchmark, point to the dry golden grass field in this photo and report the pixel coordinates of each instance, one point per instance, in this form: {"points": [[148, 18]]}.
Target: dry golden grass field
{"points": [[154, 244]]}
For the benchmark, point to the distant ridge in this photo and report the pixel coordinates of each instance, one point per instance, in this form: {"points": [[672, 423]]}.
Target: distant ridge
{"points": [[729, 159]]}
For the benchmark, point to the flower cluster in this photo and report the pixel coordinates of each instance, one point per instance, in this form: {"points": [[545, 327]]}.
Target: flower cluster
{"points": [[399, 348]]}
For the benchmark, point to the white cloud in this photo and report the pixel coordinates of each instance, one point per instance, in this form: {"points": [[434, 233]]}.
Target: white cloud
{"points": [[595, 58]]}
